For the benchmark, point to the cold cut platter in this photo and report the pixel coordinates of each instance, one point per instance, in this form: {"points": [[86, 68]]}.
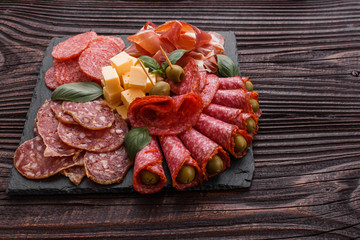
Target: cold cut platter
{"points": [[162, 110]]}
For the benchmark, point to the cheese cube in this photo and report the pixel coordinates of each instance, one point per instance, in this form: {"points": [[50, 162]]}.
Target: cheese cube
{"points": [[125, 80], [137, 78], [112, 98], [149, 85], [111, 79], [122, 62], [129, 95], [122, 111]]}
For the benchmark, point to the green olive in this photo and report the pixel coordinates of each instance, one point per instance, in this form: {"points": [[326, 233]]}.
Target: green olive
{"points": [[254, 104], [249, 86], [175, 74], [215, 165], [149, 178], [250, 125], [160, 88], [186, 174], [240, 144]]}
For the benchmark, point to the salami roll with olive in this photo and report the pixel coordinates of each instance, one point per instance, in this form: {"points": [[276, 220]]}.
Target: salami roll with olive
{"points": [[229, 136], [247, 121], [235, 83], [184, 170], [149, 176], [210, 156]]}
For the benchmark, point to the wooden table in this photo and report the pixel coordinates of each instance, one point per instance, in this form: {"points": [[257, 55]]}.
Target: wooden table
{"points": [[303, 58]]}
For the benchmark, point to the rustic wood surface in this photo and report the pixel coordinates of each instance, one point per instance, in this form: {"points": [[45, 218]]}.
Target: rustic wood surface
{"points": [[304, 60]]}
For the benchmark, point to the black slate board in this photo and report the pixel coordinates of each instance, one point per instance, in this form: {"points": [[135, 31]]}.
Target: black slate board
{"points": [[239, 175]]}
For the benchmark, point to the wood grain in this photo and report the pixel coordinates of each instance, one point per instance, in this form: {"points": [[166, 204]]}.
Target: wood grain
{"points": [[303, 58]]}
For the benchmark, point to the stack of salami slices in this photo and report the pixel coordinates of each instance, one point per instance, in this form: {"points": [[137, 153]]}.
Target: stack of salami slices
{"points": [[81, 57], [76, 139]]}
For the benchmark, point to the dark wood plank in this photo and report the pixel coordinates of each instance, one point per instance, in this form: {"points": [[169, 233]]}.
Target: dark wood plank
{"points": [[303, 59]]}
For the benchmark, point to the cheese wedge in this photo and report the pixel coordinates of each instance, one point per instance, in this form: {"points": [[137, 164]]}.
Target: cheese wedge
{"points": [[129, 95]]}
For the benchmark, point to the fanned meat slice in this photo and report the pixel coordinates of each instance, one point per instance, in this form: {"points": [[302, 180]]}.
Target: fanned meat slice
{"points": [[73, 46], [203, 149], [92, 60], [68, 72], [50, 79], [109, 167], [56, 107], [149, 158], [47, 125], [94, 115], [210, 85], [76, 173], [30, 162], [177, 156], [104, 140], [164, 115]]}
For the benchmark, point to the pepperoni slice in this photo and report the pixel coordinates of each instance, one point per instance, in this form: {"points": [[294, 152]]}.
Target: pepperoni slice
{"points": [[107, 168], [47, 125], [165, 115], [106, 43], [104, 140], [68, 72], [29, 160], [222, 133], [203, 149], [93, 115], [50, 79], [92, 60], [56, 107], [149, 158], [73, 46], [177, 156]]}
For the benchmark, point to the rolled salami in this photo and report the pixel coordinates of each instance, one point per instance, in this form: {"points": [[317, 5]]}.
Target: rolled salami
{"points": [[185, 172], [233, 83], [210, 156], [229, 136], [149, 176]]}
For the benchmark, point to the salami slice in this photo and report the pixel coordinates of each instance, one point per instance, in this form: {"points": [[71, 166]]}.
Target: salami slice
{"points": [[73, 46], [104, 140], [203, 149], [149, 158], [237, 98], [232, 83], [50, 79], [231, 115], [30, 162], [209, 88], [56, 107], [105, 43], [165, 115], [95, 115], [68, 72], [177, 156], [92, 60], [222, 133], [191, 81], [117, 40], [75, 174], [107, 168], [47, 125]]}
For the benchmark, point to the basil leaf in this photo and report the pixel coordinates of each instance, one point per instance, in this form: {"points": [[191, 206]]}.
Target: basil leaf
{"points": [[227, 68], [77, 92], [160, 72], [173, 57], [135, 140], [150, 63]]}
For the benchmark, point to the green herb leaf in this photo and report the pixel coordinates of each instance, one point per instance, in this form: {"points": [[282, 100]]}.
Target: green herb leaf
{"points": [[160, 72], [77, 92], [135, 140], [150, 63], [173, 57], [227, 68]]}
